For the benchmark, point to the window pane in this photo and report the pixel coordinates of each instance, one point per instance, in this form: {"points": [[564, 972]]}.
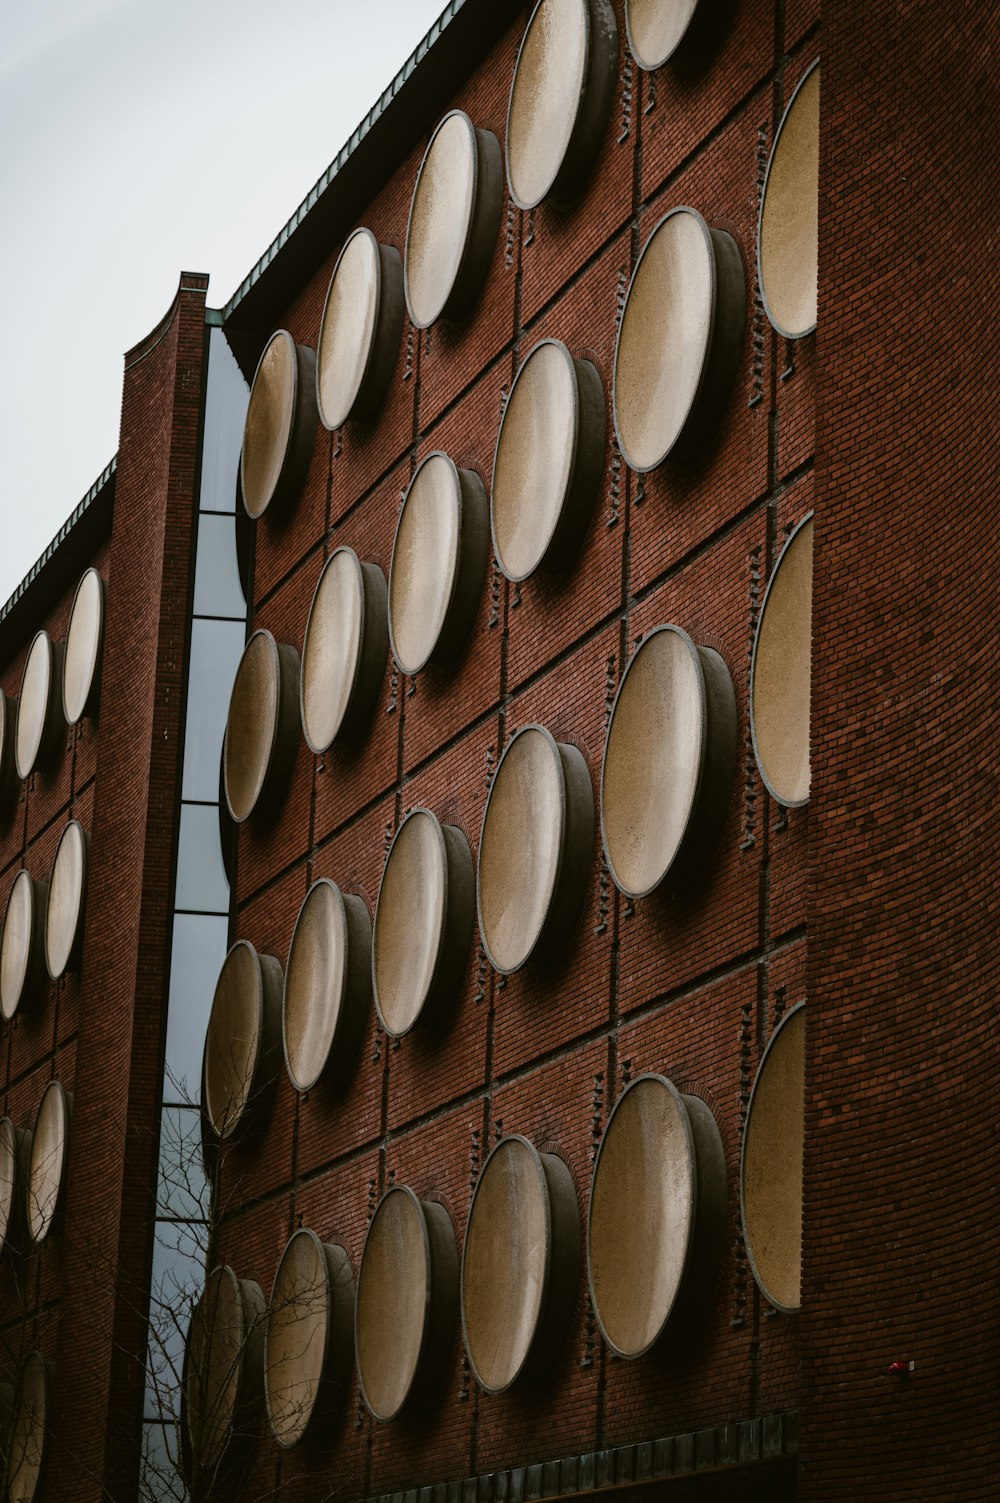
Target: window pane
{"points": [[199, 948], [226, 399], [216, 649], [178, 1279], [217, 588], [161, 1476], [182, 1191], [201, 876]]}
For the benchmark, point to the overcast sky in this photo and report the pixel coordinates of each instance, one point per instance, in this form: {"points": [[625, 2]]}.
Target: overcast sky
{"points": [[140, 138]]}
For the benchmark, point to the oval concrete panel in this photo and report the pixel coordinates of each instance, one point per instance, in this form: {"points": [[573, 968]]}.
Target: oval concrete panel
{"points": [[359, 331], [38, 732], [535, 847], [344, 651], [84, 644], [656, 28], [47, 1161], [407, 1296], [223, 1368], [309, 1342], [788, 232], [781, 672], [64, 907], [262, 725], [327, 984], [28, 1431], [546, 97], [771, 1166], [242, 1043], [679, 341], [22, 958], [280, 430]]}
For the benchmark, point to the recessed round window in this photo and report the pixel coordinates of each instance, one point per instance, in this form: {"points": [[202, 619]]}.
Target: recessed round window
{"points": [[788, 233], [454, 218], [65, 902], [560, 98], [679, 341], [780, 673], [656, 28], [223, 1368], [39, 730], [327, 984], [548, 465], [669, 759], [27, 1448], [360, 329], [656, 1223], [520, 1263], [84, 642], [242, 1044], [771, 1165], [47, 1161], [439, 559], [407, 1300], [22, 957], [423, 922], [262, 725], [535, 850], [344, 651], [280, 430], [309, 1346]]}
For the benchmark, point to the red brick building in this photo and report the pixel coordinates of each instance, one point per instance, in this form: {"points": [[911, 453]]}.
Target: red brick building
{"points": [[874, 902]]}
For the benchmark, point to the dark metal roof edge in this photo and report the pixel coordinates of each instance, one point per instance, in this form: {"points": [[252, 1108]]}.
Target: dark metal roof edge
{"points": [[71, 522], [726, 1447], [343, 156]]}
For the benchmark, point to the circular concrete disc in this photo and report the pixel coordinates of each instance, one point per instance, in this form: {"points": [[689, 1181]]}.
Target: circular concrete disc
{"points": [[331, 652], [425, 562], [47, 1162], [534, 459], [252, 725], [64, 906], [788, 237], [546, 96], [314, 983], [84, 637], [780, 676], [440, 218], [393, 1297], [642, 1212], [771, 1168], [268, 431], [299, 1336], [17, 943], [409, 921], [233, 1039], [347, 330], [37, 689], [8, 1176], [656, 28], [28, 1432]]}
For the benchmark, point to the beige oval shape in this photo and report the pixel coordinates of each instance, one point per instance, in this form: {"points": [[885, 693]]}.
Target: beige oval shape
{"points": [[505, 1264], [664, 338], [47, 1161], [299, 1334], [8, 1175], [534, 459], [424, 562], [652, 760], [409, 921], [64, 905], [393, 1300], [214, 1366], [28, 1431], [521, 847], [656, 28], [268, 429], [33, 705], [545, 97], [642, 1212], [84, 637], [788, 237], [440, 218], [771, 1164], [252, 724], [331, 652], [233, 1039], [16, 943], [314, 983], [347, 330], [781, 673]]}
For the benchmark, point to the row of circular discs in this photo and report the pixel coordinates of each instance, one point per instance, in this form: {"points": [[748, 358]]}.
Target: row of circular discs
{"points": [[42, 932], [667, 770], [655, 1232], [60, 684], [681, 326]]}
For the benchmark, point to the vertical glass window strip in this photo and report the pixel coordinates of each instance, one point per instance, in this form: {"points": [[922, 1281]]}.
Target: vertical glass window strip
{"points": [[201, 876]]}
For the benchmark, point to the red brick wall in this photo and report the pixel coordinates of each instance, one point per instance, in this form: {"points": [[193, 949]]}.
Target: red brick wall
{"points": [[689, 984], [901, 1248], [118, 1003]]}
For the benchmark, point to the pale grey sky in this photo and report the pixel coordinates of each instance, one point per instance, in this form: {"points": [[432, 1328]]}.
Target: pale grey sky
{"points": [[140, 138]]}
